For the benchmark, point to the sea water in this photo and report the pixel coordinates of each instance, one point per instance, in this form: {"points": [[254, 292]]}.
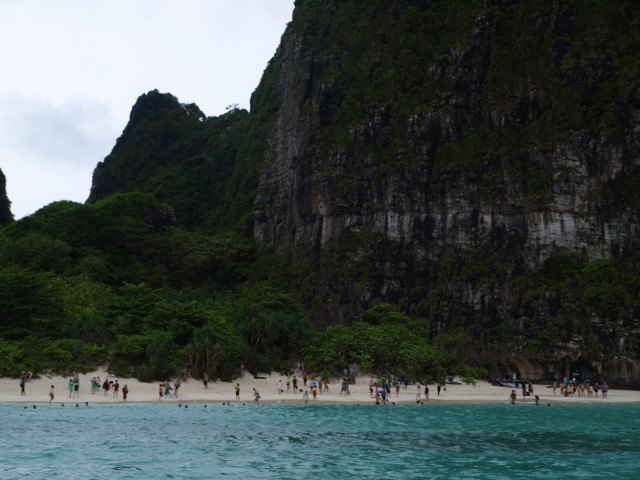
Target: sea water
{"points": [[145, 441]]}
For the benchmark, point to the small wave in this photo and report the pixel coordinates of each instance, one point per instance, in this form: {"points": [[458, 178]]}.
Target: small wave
{"points": [[119, 468]]}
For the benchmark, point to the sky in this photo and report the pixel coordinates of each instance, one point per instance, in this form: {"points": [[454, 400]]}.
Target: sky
{"points": [[72, 70]]}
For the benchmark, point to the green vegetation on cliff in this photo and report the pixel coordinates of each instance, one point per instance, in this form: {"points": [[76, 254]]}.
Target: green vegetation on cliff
{"points": [[117, 282], [205, 167], [471, 118]]}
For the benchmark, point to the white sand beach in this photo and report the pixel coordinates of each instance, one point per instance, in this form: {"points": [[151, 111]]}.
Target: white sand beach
{"points": [[192, 390]]}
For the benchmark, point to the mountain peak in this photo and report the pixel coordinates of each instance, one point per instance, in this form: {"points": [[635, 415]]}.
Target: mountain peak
{"points": [[5, 205]]}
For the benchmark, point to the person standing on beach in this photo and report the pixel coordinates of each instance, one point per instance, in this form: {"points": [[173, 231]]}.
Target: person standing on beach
{"points": [[345, 387], [167, 389], [51, 395], [76, 386], [205, 380], [418, 392], [237, 389], [105, 387], [512, 397], [70, 387], [305, 396], [160, 390], [125, 392], [279, 386], [256, 396], [22, 384], [116, 389]]}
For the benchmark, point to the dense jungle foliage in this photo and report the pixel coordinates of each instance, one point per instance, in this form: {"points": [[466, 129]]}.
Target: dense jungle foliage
{"points": [[117, 283], [159, 272]]}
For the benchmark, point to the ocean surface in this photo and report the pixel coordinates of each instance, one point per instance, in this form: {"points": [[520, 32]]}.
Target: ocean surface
{"points": [[142, 441]]}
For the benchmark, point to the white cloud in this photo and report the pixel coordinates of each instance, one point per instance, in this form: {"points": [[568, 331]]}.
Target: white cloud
{"points": [[72, 70], [48, 151], [71, 133]]}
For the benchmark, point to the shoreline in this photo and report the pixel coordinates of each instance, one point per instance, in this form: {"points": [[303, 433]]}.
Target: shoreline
{"points": [[192, 391]]}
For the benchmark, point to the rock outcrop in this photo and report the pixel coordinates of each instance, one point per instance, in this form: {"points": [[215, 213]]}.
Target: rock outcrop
{"points": [[184, 158], [6, 216], [428, 155]]}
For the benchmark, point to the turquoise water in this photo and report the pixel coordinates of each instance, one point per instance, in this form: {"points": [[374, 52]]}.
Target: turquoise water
{"points": [[138, 441]]}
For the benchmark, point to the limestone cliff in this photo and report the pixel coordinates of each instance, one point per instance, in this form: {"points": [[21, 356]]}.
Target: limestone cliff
{"points": [[184, 158], [5, 205], [439, 156]]}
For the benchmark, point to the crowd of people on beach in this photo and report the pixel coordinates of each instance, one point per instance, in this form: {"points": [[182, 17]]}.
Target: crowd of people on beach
{"points": [[567, 388], [110, 384], [310, 385], [165, 390], [313, 385], [380, 390], [581, 389]]}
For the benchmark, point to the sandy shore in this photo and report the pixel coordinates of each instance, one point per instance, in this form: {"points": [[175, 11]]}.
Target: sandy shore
{"points": [[37, 391]]}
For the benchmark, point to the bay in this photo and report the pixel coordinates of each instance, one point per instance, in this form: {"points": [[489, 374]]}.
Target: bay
{"points": [[272, 441]]}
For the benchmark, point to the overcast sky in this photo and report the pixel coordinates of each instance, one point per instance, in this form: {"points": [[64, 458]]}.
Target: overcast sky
{"points": [[72, 70]]}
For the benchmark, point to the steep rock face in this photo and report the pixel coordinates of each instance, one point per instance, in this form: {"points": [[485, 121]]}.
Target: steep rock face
{"points": [[184, 158], [5, 205], [427, 155], [297, 201], [152, 140]]}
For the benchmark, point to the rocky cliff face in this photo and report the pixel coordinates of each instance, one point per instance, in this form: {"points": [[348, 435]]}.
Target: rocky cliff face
{"points": [[184, 158], [435, 156], [5, 205]]}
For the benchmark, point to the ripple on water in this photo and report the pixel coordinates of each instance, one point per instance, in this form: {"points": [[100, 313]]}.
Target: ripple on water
{"points": [[289, 441]]}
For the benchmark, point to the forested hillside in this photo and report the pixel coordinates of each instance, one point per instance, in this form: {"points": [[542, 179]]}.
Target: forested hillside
{"points": [[418, 187]]}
